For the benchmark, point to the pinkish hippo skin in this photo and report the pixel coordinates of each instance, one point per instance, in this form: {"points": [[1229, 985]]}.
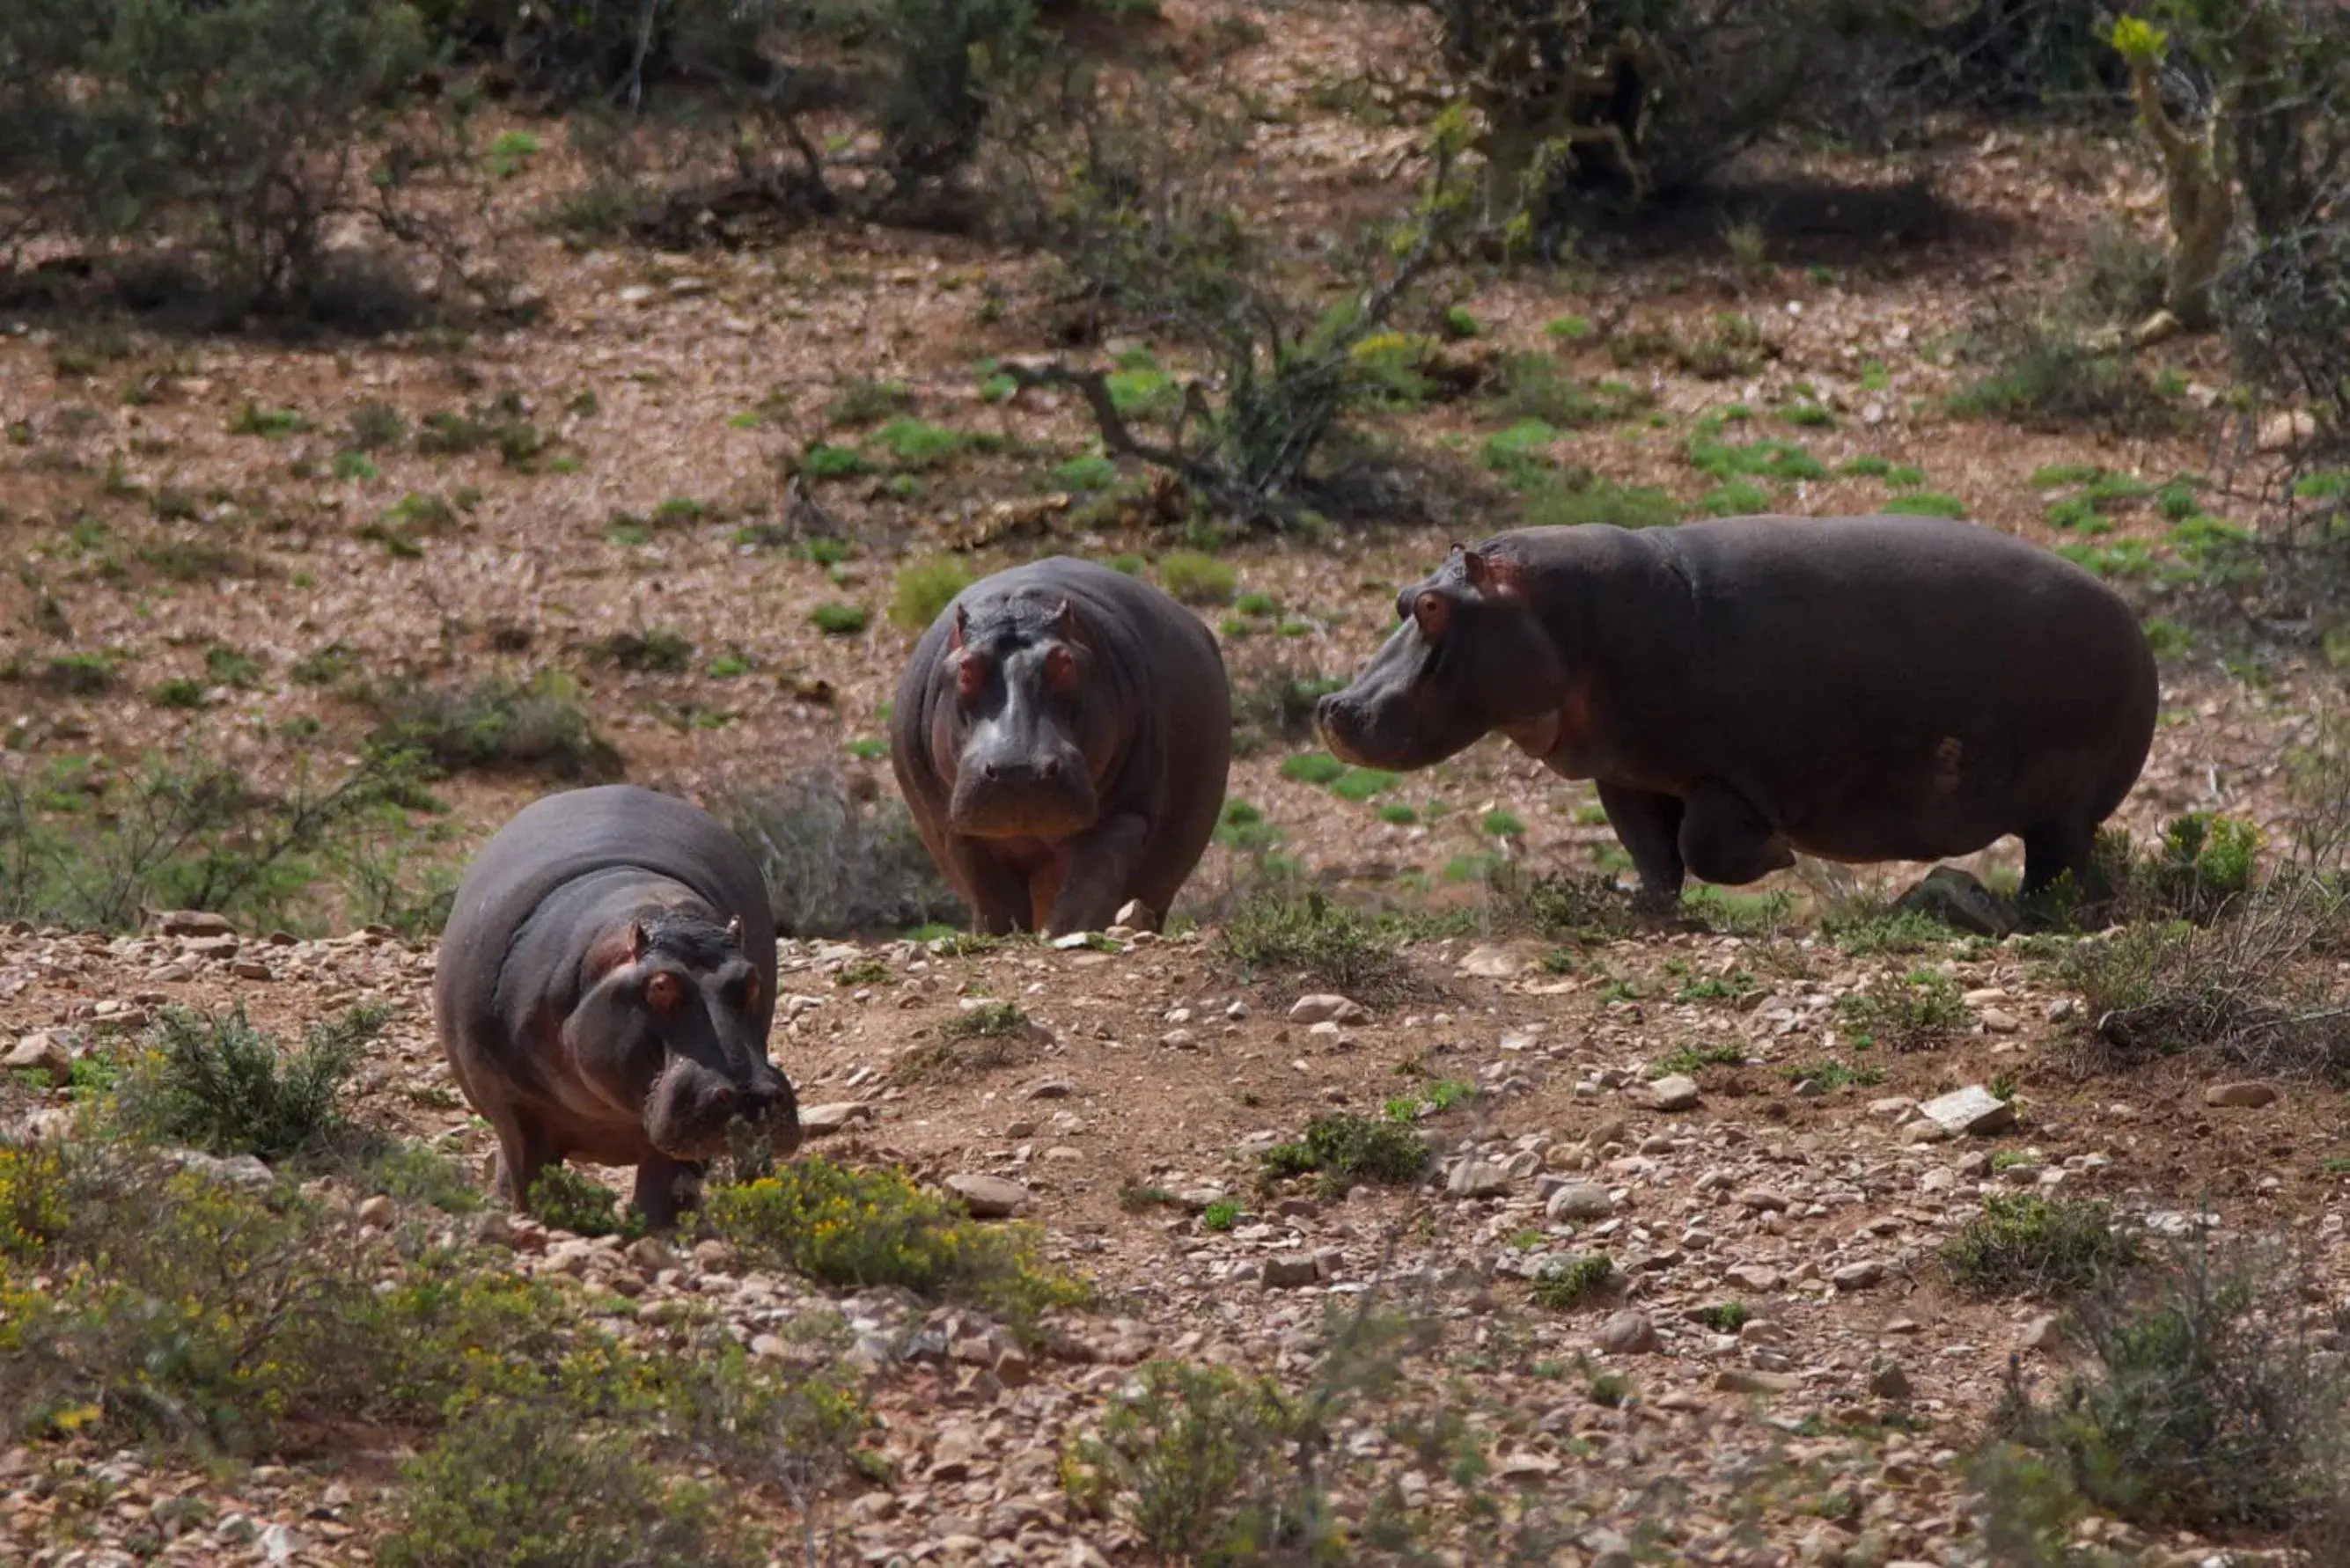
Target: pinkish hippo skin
{"points": [[606, 986], [1856, 689]]}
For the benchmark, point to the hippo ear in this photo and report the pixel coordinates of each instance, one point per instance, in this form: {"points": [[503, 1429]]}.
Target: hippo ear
{"points": [[1476, 569], [735, 929], [636, 941], [961, 625]]}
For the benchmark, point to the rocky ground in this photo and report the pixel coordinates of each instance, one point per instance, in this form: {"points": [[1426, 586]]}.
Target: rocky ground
{"points": [[1689, 1103]]}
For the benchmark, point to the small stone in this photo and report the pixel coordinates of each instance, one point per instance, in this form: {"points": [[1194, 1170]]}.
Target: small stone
{"points": [[1974, 1109], [987, 1196], [251, 968], [1627, 1333], [1496, 960], [1890, 1381], [824, 1120], [2042, 1332], [1289, 1272], [2247, 1095], [379, 1213], [1744, 1380], [1857, 1276], [1677, 1092], [1760, 1278], [1180, 1040], [1477, 1178], [1053, 1089], [1325, 1007], [1137, 916], [280, 1542], [194, 923], [1580, 1201], [1763, 1200], [41, 1052]]}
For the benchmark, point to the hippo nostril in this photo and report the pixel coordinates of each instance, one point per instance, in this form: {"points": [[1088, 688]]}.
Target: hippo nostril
{"points": [[990, 772], [723, 1095], [1053, 769]]}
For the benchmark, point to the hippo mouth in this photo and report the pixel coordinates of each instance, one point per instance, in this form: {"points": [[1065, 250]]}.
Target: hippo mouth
{"points": [[1028, 809], [695, 1127], [1346, 735]]}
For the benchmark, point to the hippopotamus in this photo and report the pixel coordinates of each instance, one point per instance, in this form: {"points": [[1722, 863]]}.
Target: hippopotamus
{"points": [[1856, 689], [1061, 736], [606, 986]]}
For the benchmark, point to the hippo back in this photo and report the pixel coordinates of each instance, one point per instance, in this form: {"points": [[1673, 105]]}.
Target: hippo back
{"points": [[560, 838]]}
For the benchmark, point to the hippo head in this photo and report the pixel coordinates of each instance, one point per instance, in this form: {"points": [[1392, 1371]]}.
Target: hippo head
{"points": [[673, 1029], [1471, 656], [1022, 721]]}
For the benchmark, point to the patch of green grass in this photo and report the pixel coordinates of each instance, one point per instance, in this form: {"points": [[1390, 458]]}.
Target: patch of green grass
{"points": [[863, 400], [1311, 768], [1691, 1060], [923, 589], [511, 152], [1868, 466], [1559, 504], [1926, 503], [1359, 784], [1809, 415], [1084, 474], [1831, 1075], [2120, 559], [178, 691], [566, 1199], [838, 619], [2025, 1244], [1567, 1284], [1766, 457], [856, 1230], [252, 418], [2057, 475], [1499, 824], [1221, 1215], [1197, 579], [1518, 453], [1905, 1012], [1740, 498], [1573, 328], [1723, 1317], [356, 467], [915, 443], [1306, 936], [495, 723], [1397, 815], [989, 1019], [824, 460], [1459, 323], [227, 667], [1865, 930], [1343, 1149]]}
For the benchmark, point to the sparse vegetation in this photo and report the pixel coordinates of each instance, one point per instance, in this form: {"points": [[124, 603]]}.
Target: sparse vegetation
{"points": [[495, 723], [923, 590], [2025, 1244], [1341, 1150], [1307, 938], [217, 1084], [835, 867]]}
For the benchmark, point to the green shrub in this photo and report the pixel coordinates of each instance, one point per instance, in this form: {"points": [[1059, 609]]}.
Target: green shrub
{"points": [[1566, 1284], [853, 1230], [838, 619], [1306, 937], [1343, 1149], [923, 590], [1187, 1456], [519, 1483], [1927, 504], [1197, 579], [496, 724], [2025, 1244], [567, 1200], [1905, 1012], [217, 1084]]}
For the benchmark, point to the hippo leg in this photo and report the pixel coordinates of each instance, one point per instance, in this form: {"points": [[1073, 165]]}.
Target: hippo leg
{"points": [[1725, 840], [523, 1153], [998, 894], [2053, 848], [665, 1186], [1649, 827], [1101, 862]]}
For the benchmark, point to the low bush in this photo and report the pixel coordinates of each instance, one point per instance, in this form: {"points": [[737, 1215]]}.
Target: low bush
{"points": [[1341, 1150], [1306, 938], [853, 1230], [836, 867], [2023, 1244], [496, 724], [1905, 1012], [213, 1082], [923, 590]]}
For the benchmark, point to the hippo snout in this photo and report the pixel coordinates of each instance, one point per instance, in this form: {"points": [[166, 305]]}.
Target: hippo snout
{"points": [[1026, 793]]}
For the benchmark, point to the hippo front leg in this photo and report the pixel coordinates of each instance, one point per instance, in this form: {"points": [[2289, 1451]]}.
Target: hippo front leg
{"points": [[998, 895], [1726, 839], [1101, 862], [1649, 824], [664, 1187]]}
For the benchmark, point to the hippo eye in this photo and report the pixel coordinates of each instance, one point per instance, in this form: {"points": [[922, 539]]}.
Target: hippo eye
{"points": [[1433, 611], [971, 676], [663, 993]]}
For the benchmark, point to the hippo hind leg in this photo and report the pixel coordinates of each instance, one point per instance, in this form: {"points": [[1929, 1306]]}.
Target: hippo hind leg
{"points": [[2053, 848], [1725, 840], [1648, 826]]}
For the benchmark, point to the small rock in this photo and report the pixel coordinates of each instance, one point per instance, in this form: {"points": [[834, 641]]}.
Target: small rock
{"points": [[1580, 1201], [1289, 1272], [2249, 1095], [987, 1196], [1477, 1178], [1889, 1382], [1974, 1109], [1137, 916], [1180, 1040], [1744, 1380], [280, 1542], [1494, 960], [1763, 1200], [1325, 1007], [223, 946], [379, 1213], [1760, 1278], [822, 1121], [1677, 1092], [194, 923], [41, 1052], [1627, 1333], [1053, 1089], [251, 968], [2285, 431], [1949, 895], [2041, 1333], [1857, 1276]]}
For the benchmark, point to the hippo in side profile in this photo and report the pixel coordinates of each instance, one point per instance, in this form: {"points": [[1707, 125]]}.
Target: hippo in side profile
{"points": [[1061, 736], [1861, 688], [605, 985]]}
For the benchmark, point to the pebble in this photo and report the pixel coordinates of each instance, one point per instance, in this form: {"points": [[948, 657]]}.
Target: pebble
{"points": [[1974, 1109], [1289, 1272], [2247, 1095], [1327, 1007], [1627, 1333], [1579, 1201], [1477, 1178], [987, 1196], [1676, 1092]]}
